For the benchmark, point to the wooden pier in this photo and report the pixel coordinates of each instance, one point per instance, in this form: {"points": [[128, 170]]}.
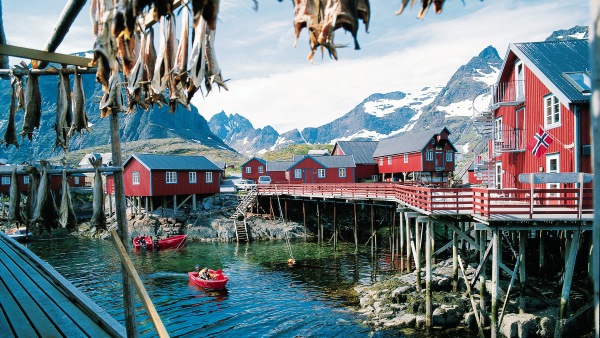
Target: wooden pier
{"points": [[36, 301]]}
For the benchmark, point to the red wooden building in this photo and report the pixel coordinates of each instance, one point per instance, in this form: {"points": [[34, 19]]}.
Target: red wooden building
{"points": [[75, 180], [542, 85], [323, 169], [279, 171], [427, 157], [5, 176], [155, 177], [362, 151], [254, 168]]}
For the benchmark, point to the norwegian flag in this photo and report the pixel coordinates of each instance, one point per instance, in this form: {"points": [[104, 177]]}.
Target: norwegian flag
{"points": [[540, 143]]}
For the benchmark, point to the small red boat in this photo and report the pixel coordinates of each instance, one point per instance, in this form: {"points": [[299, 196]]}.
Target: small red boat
{"points": [[166, 243], [217, 280]]}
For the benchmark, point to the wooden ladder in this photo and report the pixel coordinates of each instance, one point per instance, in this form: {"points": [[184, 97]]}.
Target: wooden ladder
{"points": [[244, 202], [241, 231]]}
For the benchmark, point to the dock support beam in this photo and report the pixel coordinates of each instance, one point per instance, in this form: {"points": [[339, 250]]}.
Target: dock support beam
{"points": [[522, 276], [428, 298], [122, 226], [454, 262], [355, 231], [567, 281], [495, 282], [482, 288]]}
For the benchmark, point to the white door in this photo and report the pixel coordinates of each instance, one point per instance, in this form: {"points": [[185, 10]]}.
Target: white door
{"points": [[553, 166], [498, 172]]}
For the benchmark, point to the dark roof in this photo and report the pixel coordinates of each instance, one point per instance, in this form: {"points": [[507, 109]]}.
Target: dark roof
{"points": [[220, 164], [343, 161], [361, 150], [279, 165], [254, 158], [174, 162], [407, 143], [550, 60]]}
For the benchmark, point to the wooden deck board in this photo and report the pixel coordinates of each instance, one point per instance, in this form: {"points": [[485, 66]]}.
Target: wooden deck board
{"points": [[40, 302], [4, 325]]}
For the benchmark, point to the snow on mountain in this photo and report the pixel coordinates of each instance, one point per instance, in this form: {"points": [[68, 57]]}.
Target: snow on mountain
{"points": [[383, 107]]}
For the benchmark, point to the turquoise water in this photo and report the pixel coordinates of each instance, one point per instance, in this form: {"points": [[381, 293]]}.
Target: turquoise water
{"points": [[264, 296]]}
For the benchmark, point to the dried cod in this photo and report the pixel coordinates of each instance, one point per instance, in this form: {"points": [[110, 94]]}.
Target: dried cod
{"points": [[67, 218], [45, 209], [98, 219], [15, 214], [64, 116], [33, 106], [80, 120], [10, 136]]}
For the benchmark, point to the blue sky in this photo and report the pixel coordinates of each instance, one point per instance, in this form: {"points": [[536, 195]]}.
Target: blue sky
{"points": [[272, 83]]}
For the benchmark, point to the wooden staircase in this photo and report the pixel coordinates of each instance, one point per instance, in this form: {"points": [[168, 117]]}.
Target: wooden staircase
{"points": [[241, 230]]}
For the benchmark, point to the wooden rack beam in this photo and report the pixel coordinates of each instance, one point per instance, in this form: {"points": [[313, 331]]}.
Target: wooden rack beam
{"points": [[34, 54], [48, 71], [69, 171], [68, 15]]}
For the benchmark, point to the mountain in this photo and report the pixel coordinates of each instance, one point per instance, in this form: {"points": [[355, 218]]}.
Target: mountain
{"points": [[383, 115], [156, 123]]}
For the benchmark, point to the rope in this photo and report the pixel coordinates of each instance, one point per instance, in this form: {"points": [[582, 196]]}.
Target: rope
{"points": [[218, 254], [287, 239]]}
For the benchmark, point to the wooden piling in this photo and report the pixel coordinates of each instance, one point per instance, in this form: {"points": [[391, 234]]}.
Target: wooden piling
{"points": [[393, 237], [334, 227], [319, 235], [285, 215], [408, 241], [304, 219], [495, 282], [454, 262], [418, 254], [355, 231], [428, 297], [372, 230], [522, 277], [122, 226], [482, 276], [401, 230]]}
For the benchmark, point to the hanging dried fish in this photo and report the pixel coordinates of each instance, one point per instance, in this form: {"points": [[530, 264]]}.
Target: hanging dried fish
{"points": [[45, 209], [149, 65], [306, 15], [80, 120], [179, 71], [124, 19], [113, 100], [32, 192], [364, 12], [213, 72], [33, 106], [425, 4], [64, 116], [67, 218], [105, 55], [98, 219], [197, 60], [126, 52], [15, 214], [340, 14], [207, 9], [134, 81], [19, 92], [166, 57], [10, 136]]}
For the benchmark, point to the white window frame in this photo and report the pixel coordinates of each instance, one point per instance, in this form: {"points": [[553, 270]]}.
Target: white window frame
{"points": [[321, 173], [389, 158], [75, 180], [26, 180], [519, 81], [171, 177], [192, 177], [549, 159], [135, 177], [297, 173], [261, 169], [449, 157], [498, 129], [209, 177], [248, 170], [552, 114], [498, 175], [429, 155], [342, 172], [380, 161], [5, 180], [405, 157]]}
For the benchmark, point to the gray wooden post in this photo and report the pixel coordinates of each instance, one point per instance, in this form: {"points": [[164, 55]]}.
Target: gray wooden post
{"points": [[194, 205], [418, 255], [495, 282], [401, 229], [594, 36], [482, 276], [428, 298], [408, 240], [122, 226], [522, 276], [174, 205], [568, 280], [454, 262], [542, 252]]}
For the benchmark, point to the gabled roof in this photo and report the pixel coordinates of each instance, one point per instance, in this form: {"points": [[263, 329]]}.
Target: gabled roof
{"points": [[279, 165], [343, 161], [407, 143], [549, 61], [254, 158], [173, 162], [318, 152], [361, 150]]}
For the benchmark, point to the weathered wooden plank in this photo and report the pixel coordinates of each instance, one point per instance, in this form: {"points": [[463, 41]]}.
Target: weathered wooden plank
{"points": [[17, 318], [34, 54], [556, 178]]}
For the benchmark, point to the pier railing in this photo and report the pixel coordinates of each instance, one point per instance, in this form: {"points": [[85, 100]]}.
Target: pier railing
{"points": [[483, 203]]}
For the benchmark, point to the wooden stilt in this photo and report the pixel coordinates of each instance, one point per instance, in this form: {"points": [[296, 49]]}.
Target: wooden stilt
{"points": [[393, 237], [146, 201], [319, 235], [482, 276], [304, 219], [495, 282], [542, 253], [151, 203], [428, 298], [418, 253], [110, 204], [408, 242], [567, 281], [122, 226], [522, 277], [285, 215], [334, 227], [372, 231], [271, 211], [454, 262], [174, 205], [401, 230], [355, 231], [194, 205]]}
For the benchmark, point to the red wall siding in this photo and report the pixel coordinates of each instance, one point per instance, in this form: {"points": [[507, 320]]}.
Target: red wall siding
{"points": [[310, 173], [142, 189], [254, 175], [56, 182], [109, 184], [473, 178], [516, 163], [398, 166], [277, 177], [182, 187], [5, 189], [366, 171], [337, 151]]}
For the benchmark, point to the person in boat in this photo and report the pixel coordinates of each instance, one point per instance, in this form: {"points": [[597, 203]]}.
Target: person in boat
{"points": [[203, 273]]}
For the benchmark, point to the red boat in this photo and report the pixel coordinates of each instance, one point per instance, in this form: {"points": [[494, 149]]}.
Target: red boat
{"points": [[216, 281], [166, 243]]}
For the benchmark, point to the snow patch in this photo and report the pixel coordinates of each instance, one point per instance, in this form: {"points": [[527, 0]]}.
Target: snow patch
{"points": [[245, 141], [462, 108], [381, 108], [488, 79], [465, 148]]}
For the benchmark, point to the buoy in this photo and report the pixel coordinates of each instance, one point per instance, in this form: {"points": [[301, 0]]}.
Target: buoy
{"points": [[291, 262]]}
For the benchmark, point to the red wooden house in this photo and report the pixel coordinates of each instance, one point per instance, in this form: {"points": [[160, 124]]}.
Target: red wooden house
{"points": [[5, 176], [323, 169], [158, 176], [427, 157], [362, 151], [254, 168], [75, 180], [279, 171], [542, 86]]}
